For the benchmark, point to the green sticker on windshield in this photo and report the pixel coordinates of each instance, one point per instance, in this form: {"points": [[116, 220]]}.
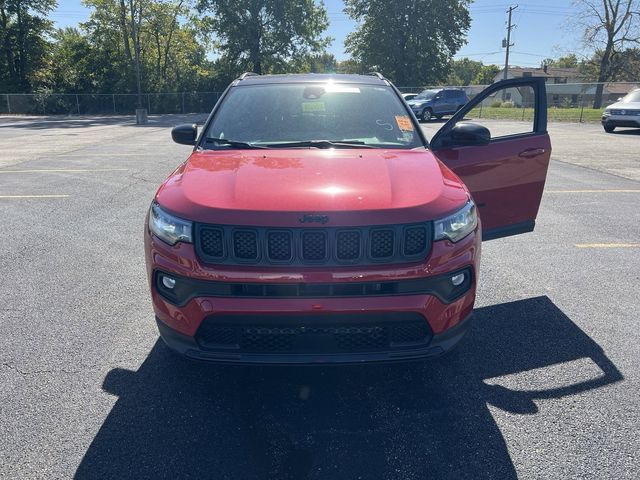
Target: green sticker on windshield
{"points": [[309, 107]]}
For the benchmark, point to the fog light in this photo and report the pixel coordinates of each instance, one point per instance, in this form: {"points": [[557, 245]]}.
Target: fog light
{"points": [[456, 279], [168, 282]]}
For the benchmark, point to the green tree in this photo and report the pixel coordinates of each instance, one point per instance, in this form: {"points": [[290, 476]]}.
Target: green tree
{"points": [[624, 66], [71, 62], [170, 56], [464, 71], [567, 61], [23, 42], [350, 66], [264, 35], [486, 75], [410, 41]]}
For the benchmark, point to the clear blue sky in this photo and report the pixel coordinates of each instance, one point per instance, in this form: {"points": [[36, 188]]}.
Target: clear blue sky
{"points": [[543, 29]]}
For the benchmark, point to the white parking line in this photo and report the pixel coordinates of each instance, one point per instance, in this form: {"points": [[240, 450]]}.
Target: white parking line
{"points": [[592, 191], [607, 245], [33, 196], [65, 170]]}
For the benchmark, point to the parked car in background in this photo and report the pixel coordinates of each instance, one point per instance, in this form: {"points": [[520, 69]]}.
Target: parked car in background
{"points": [[624, 113], [437, 103], [409, 96]]}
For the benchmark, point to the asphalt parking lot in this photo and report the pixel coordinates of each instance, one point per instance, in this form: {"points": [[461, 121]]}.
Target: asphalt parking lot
{"points": [[544, 386]]}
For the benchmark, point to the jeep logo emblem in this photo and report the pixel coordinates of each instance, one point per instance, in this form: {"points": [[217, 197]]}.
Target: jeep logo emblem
{"points": [[309, 218]]}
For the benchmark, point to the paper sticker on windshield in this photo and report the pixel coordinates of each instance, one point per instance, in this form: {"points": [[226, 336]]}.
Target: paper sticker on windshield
{"points": [[404, 123], [310, 107]]}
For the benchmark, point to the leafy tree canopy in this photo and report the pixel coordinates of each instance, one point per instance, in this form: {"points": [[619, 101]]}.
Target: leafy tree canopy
{"points": [[410, 41], [264, 35], [23, 42]]}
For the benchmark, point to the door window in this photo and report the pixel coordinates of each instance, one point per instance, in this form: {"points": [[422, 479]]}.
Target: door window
{"points": [[506, 112]]}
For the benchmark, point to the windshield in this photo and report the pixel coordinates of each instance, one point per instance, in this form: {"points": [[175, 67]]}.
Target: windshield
{"points": [[632, 97], [426, 95], [312, 115]]}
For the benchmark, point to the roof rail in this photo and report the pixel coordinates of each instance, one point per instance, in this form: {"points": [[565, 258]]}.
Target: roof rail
{"points": [[248, 74], [377, 74]]}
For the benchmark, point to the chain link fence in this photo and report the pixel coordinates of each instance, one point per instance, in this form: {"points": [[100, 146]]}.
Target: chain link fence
{"points": [[106, 103], [571, 102]]}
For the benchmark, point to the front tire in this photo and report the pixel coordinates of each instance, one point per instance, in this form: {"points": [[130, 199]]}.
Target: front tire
{"points": [[609, 128], [427, 115]]}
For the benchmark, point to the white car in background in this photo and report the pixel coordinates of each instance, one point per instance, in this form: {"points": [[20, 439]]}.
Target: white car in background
{"points": [[623, 113], [409, 96]]}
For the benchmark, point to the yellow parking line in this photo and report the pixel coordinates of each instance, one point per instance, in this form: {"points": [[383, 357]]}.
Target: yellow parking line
{"points": [[34, 196], [102, 155], [592, 191], [607, 245], [65, 170]]}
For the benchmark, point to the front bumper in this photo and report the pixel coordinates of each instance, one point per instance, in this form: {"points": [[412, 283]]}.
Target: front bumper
{"points": [[409, 293], [632, 121], [437, 346]]}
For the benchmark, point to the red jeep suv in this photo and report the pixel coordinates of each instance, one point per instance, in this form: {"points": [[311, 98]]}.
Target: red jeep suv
{"points": [[314, 223]]}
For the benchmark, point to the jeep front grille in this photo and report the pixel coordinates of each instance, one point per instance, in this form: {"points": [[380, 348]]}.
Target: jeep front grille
{"points": [[222, 244]]}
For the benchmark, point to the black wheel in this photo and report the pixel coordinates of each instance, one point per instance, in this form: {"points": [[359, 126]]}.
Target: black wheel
{"points": [[427, 115], [609, 128]]}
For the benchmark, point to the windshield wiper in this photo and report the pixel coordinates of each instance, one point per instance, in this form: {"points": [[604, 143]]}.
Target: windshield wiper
{"points": [[231, 143], [322, 144]]}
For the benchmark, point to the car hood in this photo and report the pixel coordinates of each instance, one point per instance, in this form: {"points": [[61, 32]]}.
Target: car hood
{"points": [[414, 101], [277, 187], [625, 106]]}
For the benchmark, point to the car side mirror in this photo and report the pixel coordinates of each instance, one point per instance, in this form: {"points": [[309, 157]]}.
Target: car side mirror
{"points": [[467, 134], [185, 134]]}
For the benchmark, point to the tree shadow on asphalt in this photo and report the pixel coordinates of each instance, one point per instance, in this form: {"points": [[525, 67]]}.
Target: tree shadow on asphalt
{"points": [[67, 122], [178, 419]]}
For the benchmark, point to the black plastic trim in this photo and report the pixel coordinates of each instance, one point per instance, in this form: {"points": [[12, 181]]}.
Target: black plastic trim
{"points": [[515, 229], [187, 288]]}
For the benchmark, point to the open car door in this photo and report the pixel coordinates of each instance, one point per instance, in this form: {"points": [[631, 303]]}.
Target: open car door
{"points": [[503, 156]]}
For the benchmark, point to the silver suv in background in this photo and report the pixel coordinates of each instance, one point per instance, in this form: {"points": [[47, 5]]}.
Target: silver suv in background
{"points": [[623, 113]]}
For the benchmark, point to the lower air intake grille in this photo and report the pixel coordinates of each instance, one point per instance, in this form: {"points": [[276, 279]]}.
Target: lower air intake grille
{"points": [[317, 334]]}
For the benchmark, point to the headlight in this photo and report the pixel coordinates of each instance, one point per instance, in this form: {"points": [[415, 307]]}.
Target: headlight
{"points": [[607, 111], [167, 227], [457, 226]]}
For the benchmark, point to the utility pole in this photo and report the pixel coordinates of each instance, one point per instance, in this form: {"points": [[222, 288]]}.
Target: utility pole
{"points": [[507, 43]]}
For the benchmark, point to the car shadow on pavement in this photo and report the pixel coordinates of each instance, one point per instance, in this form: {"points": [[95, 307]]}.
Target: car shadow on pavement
{"points": [[179, 419]]}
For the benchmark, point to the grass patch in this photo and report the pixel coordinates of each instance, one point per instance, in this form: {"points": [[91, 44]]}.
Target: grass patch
{"points": [[590, 115]]}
